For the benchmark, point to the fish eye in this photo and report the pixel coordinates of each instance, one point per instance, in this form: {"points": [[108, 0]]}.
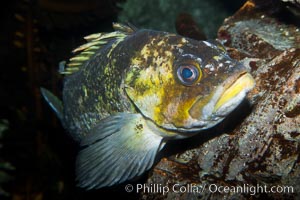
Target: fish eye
{"points": [[188, 74]]}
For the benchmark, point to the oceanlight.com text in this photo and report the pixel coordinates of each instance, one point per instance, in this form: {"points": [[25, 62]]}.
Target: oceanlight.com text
{"points": [[210, 188]]}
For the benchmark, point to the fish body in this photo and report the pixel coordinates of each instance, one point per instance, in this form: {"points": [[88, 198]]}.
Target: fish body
{"points": [[128, 92]]}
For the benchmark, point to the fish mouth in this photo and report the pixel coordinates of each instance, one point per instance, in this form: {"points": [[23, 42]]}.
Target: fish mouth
{"points": [[212, 109], [244, 82], [208, 111]]}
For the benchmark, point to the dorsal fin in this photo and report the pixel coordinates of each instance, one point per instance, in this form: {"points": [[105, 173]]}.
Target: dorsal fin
{"points": [[95, 42], [128, 28]]}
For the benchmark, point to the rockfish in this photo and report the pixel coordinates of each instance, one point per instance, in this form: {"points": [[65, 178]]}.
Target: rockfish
{"points": [[126, 93]]}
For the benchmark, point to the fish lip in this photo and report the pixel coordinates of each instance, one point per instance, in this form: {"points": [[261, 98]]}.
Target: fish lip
{"points": [[241, 83], [214, 112]]}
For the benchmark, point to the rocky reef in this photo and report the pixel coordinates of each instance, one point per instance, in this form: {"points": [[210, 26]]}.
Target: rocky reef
{"points": [[260, 152]]}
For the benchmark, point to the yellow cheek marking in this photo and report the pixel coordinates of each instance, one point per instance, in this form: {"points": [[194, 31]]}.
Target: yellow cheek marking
{"points": [[176, 110], [154, 89], [150, 84]]}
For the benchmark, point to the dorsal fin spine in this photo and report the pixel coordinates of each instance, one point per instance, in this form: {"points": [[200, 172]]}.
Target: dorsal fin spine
{"points": [[95, 42]]}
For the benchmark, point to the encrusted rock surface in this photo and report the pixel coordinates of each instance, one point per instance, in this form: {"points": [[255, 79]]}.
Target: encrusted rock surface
{"points": [[262, 150]]}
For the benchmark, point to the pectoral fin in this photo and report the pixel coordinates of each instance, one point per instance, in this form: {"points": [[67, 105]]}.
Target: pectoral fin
{"points": [[119, 148]]}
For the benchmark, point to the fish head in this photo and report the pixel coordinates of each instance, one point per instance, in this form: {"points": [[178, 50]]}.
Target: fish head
{"points": [[183, 84]]}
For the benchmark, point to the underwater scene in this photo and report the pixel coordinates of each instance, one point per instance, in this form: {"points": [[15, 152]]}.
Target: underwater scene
{"points": [[150, 100]]}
